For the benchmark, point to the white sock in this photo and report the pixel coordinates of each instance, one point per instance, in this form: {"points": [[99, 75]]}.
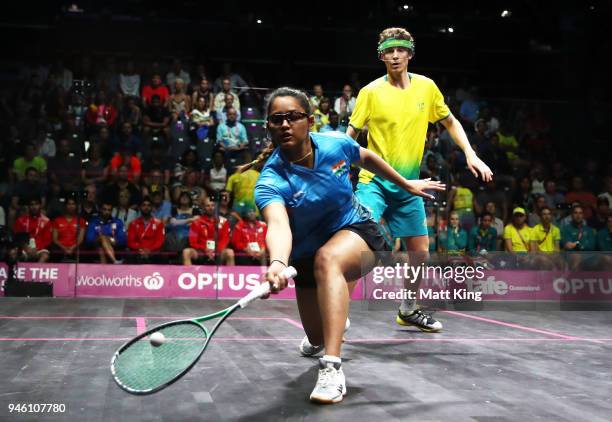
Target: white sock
{"points": [[407, 306], [332, 359]]}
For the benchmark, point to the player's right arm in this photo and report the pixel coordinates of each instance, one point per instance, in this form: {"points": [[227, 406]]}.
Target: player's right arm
{"points": [[278, 243]]}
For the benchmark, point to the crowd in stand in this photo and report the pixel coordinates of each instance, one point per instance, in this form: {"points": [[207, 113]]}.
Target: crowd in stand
{"points": [[109, 165]]}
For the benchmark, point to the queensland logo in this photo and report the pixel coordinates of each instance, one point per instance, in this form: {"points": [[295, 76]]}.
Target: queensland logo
{"points": [[154, 282], [339, 168]]}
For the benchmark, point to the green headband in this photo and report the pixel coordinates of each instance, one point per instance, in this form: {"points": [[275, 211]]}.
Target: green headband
{"points": [[394, 42]]}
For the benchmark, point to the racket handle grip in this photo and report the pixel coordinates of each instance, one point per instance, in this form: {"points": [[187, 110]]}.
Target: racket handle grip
{"points": [[264, 288]]}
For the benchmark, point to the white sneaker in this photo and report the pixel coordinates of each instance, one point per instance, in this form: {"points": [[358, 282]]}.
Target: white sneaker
{"points": [[331, 384], [307, 349]]}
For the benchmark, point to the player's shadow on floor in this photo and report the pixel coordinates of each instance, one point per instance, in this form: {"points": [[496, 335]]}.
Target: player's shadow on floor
{"points": [[294, 403]]}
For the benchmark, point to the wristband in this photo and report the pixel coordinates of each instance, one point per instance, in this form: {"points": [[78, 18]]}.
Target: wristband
{"points": [[278, 260]]}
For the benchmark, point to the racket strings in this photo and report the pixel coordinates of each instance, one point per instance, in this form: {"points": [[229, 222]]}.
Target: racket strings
{"points": [[143, 367]]}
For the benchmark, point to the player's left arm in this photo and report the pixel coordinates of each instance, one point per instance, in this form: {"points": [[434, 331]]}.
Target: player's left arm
{"points": [[475, 164]]}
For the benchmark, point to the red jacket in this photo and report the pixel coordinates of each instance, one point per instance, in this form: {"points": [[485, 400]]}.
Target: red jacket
{"points": [[202, 231], [146, 236], [38, 228], [246, 232], [67, 230]]}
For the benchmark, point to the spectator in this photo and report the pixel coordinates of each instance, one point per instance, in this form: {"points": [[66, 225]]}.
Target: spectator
{"points": [[156, 120], [461, 200], [545, 234], [533, 217], [523, 198], [204, 91], [225, 208], [242, 186], [68, 232], [45, 144], [479, 138], [181, 219], [131, 113], [587, 200], [103, 139], [177, 73], [36, 229], [65, 168], [222, 112], [158, 160], [608, 189], [321, 114], [190, 185], [537, 180], [129, 80], [483, 238], [146, 234], [604, 236], [317, 90], [77, 107], [107, 234], [161, 206], [249, 239], [111, 192], [490, 193], [208, 236], [453, 239], [188, 162], [201, 118], [468, 112], [345, 104], [552, 197], [27, 189], [179, 103], [126, 138], [123, 211], [220, 97], [232, 135], [154, 182], [94, 170], [333, 124], [577, 235], [215, 178], [518, 236], [491, 121], [125, 158], [89, 209], [234, 79], [102, 112], [155, 88], [508, 142], [29, 159], [497, 157], [599, 218]]}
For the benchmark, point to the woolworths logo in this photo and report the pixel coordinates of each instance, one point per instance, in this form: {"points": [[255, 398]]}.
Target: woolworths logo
{"points": [[154, 282]]}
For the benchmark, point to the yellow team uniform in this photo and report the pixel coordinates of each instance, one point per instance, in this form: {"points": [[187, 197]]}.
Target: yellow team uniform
{"points": [[546, 240], [520, 238]]}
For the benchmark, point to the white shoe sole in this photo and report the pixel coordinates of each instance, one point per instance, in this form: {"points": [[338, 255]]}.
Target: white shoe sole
{"points": [[323, 400]]}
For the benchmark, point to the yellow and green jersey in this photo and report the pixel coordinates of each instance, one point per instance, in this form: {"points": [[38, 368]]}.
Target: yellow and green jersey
{"points": [[397, 121]]}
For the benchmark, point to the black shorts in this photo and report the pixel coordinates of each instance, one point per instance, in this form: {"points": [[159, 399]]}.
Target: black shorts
{"points": [[369, 231]]}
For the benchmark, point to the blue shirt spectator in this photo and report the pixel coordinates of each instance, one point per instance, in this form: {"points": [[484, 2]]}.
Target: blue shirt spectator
{"points": [[111, 227]]}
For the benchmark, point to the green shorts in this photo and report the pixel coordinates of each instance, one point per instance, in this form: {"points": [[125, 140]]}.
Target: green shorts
{"points": [[403, 212]]}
